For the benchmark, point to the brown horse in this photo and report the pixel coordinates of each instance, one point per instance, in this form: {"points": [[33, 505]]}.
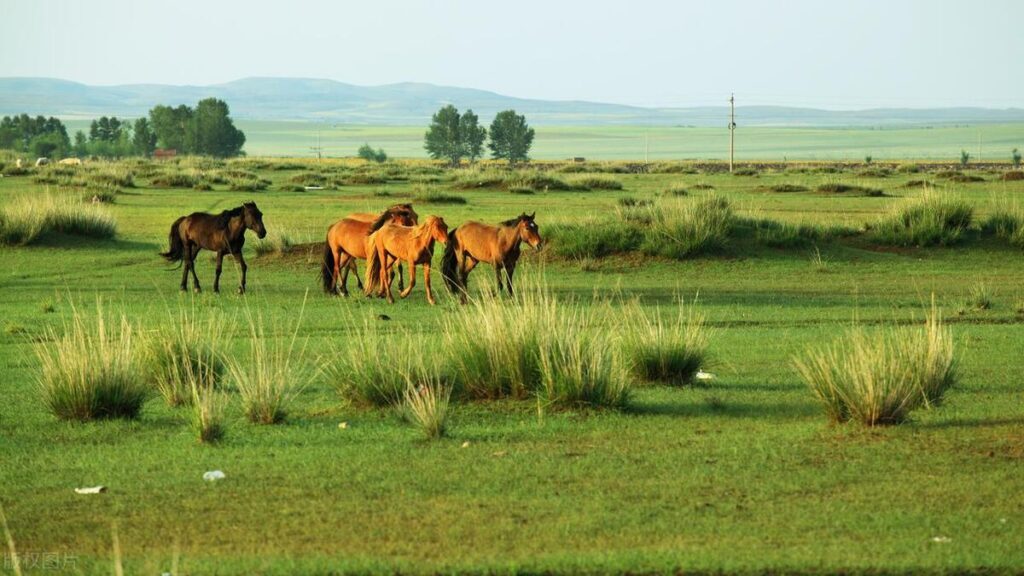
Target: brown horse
{"points": [[413, 244], [222, 233], [347, 241], [473, 242]]}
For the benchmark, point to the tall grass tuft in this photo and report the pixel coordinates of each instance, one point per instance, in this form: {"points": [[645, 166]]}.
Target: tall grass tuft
{"points": [[89, 371], [680, 229], [580, 368], [879, 377], [272, 374], [28, 217], [371, 368], [664, 350], [184, 355], [206, 417], [425, 403], [931, 220]]}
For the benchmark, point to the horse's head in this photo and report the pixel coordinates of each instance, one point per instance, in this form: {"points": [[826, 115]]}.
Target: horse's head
{"points": [[437, 228], [253, 219], [528, 230], [414, 218]]}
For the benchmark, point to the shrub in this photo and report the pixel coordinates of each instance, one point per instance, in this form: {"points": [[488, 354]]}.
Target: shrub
{"points": [[879, 377], [837, 188], [521, 190], [631, 202], [595, 182], [787, 188], [425, 404], [309, 179], [185, 356], [670, 351], [271, 375], [931, 220], [366, 152], [281, 242], [28, 217], [965, 157], [683, 229], [595, 239], [745, 172], [248, 184], [783, 234], [175, 180], [434, 196], [582, 368], [966, 178], [875, 173], [206, 416], [1015, 158], [702, 186], [376, 369], [979, 297], [918, 184], [89, 371], [910, 168], [1012, 176], [676, 190], [1005, 221]]}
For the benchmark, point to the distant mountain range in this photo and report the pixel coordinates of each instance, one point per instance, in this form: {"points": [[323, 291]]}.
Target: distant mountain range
{"points": [[413, 103]]}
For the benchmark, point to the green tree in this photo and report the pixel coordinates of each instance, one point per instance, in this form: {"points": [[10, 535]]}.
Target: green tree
{"points": [[1015, 157], [442, 139], [173, 127], [213, 130], [511, 137], [366, 152], [965, 157], [19, 132], [473, 136], [80, 146], [143, 138]]}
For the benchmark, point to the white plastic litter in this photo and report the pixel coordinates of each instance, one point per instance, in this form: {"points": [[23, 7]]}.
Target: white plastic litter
{"points": [[465, 444], [91, 490], [702, 375], [942, 539], [343, 425], [213, 476]]}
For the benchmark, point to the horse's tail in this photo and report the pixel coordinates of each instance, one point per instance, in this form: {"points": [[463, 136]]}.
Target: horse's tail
{"points": [[450, 263], [371, 285], [327, 267], [177, 250]]}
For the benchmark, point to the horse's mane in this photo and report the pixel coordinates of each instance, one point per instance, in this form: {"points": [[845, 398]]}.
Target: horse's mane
{"points": [[514, 221], [225, 217], [385, 217]]}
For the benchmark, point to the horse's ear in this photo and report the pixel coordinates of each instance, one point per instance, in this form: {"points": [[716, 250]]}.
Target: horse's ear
{"points": [[532, 215]]}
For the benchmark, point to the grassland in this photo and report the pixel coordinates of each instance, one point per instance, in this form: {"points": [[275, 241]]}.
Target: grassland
{"points": [[742, 473], [280, 138]]}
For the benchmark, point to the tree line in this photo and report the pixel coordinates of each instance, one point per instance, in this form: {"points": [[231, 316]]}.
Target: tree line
{"points": [[453, 136], [206, 130]]}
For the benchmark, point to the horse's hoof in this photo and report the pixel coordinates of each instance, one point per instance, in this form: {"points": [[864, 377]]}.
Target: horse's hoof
{"points": [[241, 291], [197, 291]]}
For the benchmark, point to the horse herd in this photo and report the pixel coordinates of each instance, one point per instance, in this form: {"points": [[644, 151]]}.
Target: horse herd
{"points": [[384, 240]]}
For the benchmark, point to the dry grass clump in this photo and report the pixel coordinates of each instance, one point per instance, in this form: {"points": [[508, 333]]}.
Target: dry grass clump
{"points": [[879, 377], [26, 218], [184, 355], [426, 403], [659, 349], [88, 371], [930, 220]]}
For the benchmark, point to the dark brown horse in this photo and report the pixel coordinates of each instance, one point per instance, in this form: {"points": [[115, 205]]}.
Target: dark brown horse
{"points": [[222, 233], [473, 242]]}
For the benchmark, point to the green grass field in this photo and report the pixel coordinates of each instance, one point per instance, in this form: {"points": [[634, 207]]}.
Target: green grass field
{"points": [[740, 474], [942, 143]]}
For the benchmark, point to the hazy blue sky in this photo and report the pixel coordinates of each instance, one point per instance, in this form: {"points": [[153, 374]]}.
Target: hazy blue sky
{"points": [[835, 54]]}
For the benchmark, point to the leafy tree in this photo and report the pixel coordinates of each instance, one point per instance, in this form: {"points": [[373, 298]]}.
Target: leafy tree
{"points": [[50, 145], [106, 129], [511, 137], [80, 147], [1015, 157], [173, 127], [213, 130], [473, 136], [24, 133], [868, 159], [443, 139], [366, 152], [143, 138], [965, 157]]}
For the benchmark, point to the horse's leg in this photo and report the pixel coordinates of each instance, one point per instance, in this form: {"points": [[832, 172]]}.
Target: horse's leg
{"points": [[426, 283], [510, 269], [345, 267], [352, 265], [192, 266], [186, 262], [216, 278], [401, 279], [385, 282], [334, 271], [244, 266], [497, 274], [468, 263], [412, 278]]}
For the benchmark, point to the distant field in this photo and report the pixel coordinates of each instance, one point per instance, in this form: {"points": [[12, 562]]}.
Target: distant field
{"points": [[630, 142], [297, 139]]}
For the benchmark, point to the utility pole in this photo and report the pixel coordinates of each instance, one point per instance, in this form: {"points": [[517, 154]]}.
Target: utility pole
{"points": [[732, 130], [318, 149]]}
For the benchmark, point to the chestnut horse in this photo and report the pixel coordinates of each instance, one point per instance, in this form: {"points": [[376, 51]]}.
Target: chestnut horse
{"points": [[413, 244], [222, 233], [347, 241], [473, 242]]}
